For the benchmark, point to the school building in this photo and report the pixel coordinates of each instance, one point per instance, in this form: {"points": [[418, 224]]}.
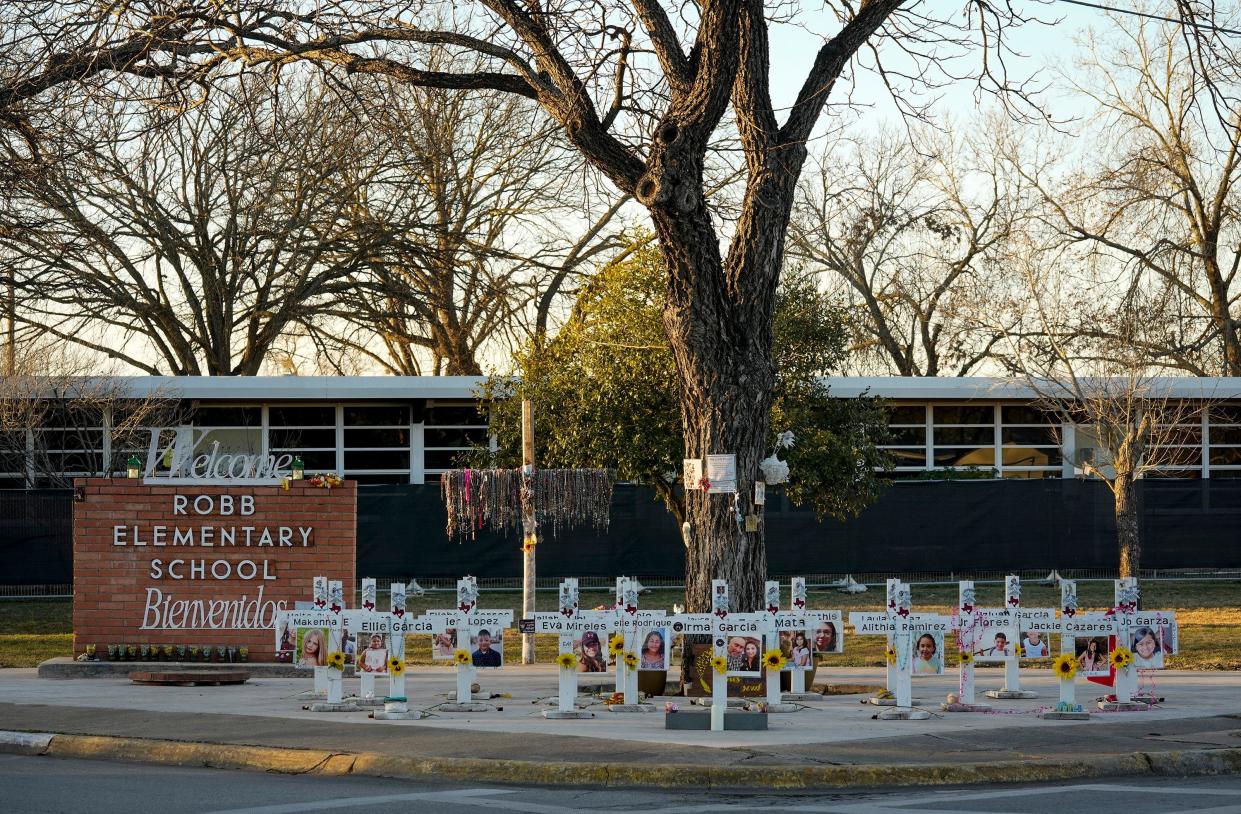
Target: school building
{"points": [[1024, 504]]}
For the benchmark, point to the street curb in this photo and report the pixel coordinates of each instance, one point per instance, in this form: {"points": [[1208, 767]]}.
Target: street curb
{"points": [[281, 760]]}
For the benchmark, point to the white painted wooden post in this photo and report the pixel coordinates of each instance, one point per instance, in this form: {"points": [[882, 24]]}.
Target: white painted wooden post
{"points": [[1068, 610], [396, 641], [771, 639], [967, 639], [903, 640], [1012, 664], [366, 680], [336, 604], [1126, 595], [797, 681], [719, 681], [319, 598]]}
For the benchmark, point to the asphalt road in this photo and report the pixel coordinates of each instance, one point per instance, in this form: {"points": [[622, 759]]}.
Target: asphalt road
{"points": [[33, 785]]}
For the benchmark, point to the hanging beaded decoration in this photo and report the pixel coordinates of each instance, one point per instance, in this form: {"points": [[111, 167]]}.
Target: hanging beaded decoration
{"points": [[492, 498]]}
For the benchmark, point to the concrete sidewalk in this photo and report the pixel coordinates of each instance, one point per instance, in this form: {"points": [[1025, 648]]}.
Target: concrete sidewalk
{"points": [[832, 742]]}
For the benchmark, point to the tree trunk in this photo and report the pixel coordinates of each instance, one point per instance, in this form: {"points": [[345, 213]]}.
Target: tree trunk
{"points": [[721, 340], [1128, 527]]}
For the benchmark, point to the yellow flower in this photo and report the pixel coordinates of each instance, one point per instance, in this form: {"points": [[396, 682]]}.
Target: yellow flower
{"points": [[461, 656], [1122, 657], [966, 657], [396, 666], [1019, 651], [336, 660], [616, 645], [774, 659], [890, 655], [567, 660], [631, 660], [1065, 667], [719, 664]]}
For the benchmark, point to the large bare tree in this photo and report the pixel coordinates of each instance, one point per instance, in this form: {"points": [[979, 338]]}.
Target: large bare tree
{"points": [[912, 233], [479, 214], [186, 242], [638, 89], [1152, 211]]}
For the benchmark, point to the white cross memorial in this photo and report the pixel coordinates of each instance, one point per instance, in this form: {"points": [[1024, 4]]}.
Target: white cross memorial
{"points": [[1006, 622], [569, 622], [1071, 625], [365, 622], [629, 623], [968, 624], [468, 620], [317, 617], [1147, 635], [799, 620]]}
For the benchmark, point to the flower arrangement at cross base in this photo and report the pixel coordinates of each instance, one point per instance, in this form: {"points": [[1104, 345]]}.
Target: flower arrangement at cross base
{"points": [[461, 657], [719, 664], [889, 655], [396, 665], [1121, 658], [1065, 667], [614, 698], [567, 661], [774, 659], [336, 660]]}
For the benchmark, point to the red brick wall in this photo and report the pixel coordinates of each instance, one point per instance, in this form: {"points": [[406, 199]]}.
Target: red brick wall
{"points": [[111, 582]]}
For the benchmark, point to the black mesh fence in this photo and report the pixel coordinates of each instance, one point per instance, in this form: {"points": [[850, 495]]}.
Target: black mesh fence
{"points": [[915, 527]]}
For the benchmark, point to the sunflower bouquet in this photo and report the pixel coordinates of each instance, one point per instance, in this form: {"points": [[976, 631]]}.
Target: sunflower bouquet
{"points": [[1121, 658], [1065, 667], [461, 657], [566, 660], [336, 660], [396, 665]]}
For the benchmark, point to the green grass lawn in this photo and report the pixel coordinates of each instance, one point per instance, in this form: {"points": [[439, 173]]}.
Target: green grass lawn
{"points": [[1209, 614]]}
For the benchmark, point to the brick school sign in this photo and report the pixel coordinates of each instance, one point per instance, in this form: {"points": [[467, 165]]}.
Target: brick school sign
{"points": [[202, 565]]}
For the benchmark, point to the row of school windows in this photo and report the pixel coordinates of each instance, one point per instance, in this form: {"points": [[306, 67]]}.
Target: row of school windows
{"points": [[371, 443], [1021, 441], [412, 442]]}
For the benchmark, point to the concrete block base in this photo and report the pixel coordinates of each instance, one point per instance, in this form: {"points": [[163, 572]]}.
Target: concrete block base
{"points": [[779, 708], [800, 696], [473, 706], [1051, 715], [965, 707], [580, 701], [631, 707], [366, 702], [381, 715], [735, 721], [881, 702], [903, 714], [324, 706], [1123, 706], [733, 703], [1010, 695], [576, 714]]}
